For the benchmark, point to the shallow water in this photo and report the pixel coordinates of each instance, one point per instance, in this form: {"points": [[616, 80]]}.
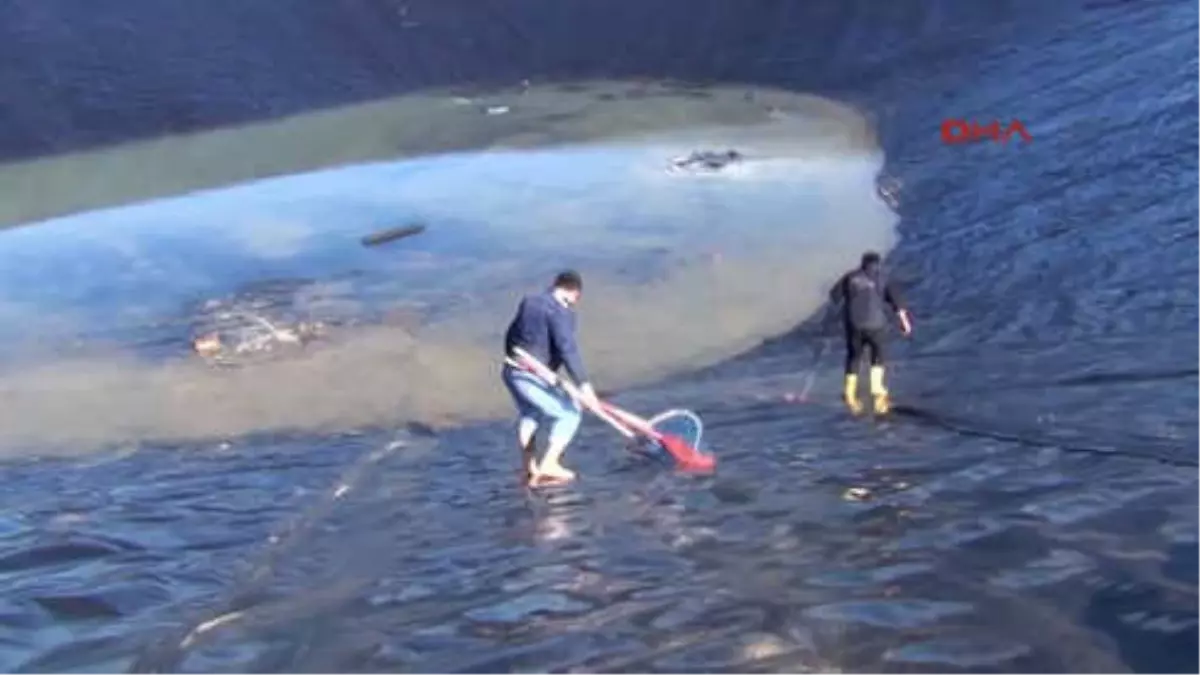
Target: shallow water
{"points": [[693, 266], [1031, 506]]}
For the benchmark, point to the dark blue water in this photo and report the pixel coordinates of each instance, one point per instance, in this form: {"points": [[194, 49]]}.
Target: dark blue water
{"points": [[1031, 506]]}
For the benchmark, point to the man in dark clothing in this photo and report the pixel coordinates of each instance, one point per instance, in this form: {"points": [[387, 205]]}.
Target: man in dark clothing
{"points": [[545, 328], [863, 294]]}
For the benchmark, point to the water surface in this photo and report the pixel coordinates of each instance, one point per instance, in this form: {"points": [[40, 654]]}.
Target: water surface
{"points": [[1030, 507]]}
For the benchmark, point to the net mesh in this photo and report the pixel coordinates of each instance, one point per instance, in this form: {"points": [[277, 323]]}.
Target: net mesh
{"points": [[683, 424]]}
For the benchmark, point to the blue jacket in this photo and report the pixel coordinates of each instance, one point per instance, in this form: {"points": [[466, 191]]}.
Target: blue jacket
{"points": [[546, 329]]}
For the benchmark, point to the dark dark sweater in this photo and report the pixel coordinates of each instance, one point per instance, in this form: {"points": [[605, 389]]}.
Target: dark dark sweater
{"points": [[546, 329], [864, 296]]}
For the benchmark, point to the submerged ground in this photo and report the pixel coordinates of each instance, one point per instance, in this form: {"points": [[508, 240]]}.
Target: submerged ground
{"points": [[1032, 506]]}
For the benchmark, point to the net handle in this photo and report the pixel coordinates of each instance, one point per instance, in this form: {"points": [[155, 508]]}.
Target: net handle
{"points": [[635, 422], [531, 365]]}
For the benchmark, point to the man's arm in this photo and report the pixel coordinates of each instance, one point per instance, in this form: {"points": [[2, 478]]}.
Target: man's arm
{"points": [[837, 294], [562, 340], [891, 294], [838, 291]]}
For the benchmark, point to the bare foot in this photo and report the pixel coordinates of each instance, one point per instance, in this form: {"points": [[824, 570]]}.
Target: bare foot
{"points": [[557, 472], [544, 480]]}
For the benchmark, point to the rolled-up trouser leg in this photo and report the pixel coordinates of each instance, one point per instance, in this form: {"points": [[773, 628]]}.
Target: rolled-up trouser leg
{"points": [[546, 405]]}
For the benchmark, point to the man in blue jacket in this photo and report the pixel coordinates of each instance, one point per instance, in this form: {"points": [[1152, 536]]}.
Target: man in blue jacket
{"points": [[545, 328], [865, 295]]}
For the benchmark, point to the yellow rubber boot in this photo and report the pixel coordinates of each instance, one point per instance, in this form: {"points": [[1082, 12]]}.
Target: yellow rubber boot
{"points": [[850, 394], [879, 392]]}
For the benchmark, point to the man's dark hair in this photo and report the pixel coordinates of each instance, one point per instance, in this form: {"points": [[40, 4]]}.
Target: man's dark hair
{"points": [[568, 280], [870, 259]]}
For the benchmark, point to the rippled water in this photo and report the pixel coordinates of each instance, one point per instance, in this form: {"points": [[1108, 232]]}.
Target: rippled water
{"points": [[1030, 507]]}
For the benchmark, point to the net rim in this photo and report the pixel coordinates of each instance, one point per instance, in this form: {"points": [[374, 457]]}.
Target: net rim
{"points": [[680, 412]]}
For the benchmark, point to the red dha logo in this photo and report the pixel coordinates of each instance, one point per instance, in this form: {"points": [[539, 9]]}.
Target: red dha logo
{"points": [[955, 132]]}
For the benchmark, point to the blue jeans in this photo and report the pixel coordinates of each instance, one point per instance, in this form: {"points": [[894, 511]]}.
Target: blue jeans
{"points": [[542, 404]]}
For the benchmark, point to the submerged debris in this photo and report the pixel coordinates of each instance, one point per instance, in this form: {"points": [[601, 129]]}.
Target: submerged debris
{"points": [[255, 337], [208, 345], [287, 319], [706, 160], [391, 234]]}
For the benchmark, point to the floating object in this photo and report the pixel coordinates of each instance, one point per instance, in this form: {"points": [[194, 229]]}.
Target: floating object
{"points": [[707, 160], [856, 494], [391, 234]]}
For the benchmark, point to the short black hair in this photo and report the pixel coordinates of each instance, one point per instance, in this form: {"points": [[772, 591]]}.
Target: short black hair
{"points": [[569, 280], [870, 258]]}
